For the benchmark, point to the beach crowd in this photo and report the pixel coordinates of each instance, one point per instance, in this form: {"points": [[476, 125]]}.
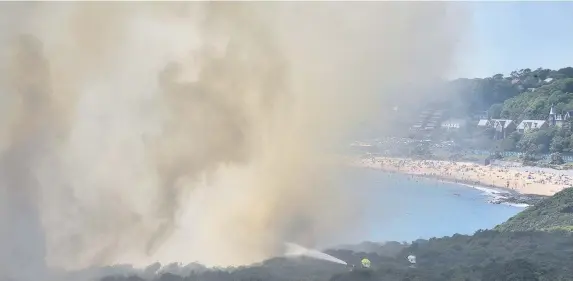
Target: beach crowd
{"points": [[524, 180]]}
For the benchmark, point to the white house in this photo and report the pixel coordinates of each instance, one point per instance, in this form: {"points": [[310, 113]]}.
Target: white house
{"points": [[503, 127], [527, 125], [483, 123], [558, 120]]}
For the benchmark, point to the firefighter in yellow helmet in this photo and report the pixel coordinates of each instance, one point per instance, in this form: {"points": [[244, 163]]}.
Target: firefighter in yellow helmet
{"points": [[365, 263]]}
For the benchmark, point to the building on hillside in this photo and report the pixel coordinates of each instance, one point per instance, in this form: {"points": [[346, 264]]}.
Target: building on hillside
{"points": [[558, 120], [554, 119], [503, 127], [483, 123], [527, 125], [453, 124]]}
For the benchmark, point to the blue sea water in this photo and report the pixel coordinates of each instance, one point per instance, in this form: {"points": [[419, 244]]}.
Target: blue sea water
{"points": [[405, 208]]}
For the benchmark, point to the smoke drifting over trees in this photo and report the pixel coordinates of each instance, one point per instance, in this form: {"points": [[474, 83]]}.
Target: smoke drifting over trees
{"points": [[137, 132]]}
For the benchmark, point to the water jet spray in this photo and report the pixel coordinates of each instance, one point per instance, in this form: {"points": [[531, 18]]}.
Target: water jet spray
{"points": [[295, 250]]}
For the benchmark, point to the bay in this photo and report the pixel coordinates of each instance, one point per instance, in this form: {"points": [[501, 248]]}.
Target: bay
{"points": [[404, 208]]}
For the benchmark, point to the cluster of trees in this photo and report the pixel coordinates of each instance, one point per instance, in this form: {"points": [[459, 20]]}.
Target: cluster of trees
{"points": [[535, 245], [556, 213], [535, 142], [524, 94], [539, 141], [486, 255]]}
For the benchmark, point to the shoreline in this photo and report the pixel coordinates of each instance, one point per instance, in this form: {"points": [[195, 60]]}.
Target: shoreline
{"points": [[504, 184], [496, 195]]}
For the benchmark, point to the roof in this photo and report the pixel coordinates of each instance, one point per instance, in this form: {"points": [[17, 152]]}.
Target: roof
{"points": [[504, 122], [530, 124], [482, 122]]}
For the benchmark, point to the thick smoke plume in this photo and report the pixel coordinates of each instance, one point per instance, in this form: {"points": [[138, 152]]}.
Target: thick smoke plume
{"points": [[137, 132]]}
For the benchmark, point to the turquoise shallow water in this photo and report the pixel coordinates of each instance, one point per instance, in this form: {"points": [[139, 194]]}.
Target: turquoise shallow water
{"points": [[402, 208]]}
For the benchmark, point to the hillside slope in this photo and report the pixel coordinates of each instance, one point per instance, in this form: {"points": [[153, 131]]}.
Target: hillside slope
{"points": [[486, 255], [523, 248], [554, 213]]}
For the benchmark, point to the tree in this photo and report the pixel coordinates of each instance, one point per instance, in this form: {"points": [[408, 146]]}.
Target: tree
{"points": [[508, 144], [536, 141], [558, 144], [542, 73], [567, 72], [515, 270], [556, 159]]}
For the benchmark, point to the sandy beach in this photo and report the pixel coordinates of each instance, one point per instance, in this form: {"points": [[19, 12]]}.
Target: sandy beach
{"points": [[524, 180]]}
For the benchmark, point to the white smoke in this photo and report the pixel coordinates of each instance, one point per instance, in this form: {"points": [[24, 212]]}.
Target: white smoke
{"points": [[181, 132]]}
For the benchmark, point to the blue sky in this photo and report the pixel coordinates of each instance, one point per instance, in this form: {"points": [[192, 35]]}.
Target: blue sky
{"points": [[505, 36]]}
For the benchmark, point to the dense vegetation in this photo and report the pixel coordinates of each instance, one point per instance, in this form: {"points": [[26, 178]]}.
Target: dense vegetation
{"points": [[523, 95], [486, 255], [552, 214], [518, 250]]}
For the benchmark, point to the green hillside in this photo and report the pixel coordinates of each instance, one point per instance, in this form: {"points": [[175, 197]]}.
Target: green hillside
{"points": [[524, 94], [519, 250], [554, 213]]}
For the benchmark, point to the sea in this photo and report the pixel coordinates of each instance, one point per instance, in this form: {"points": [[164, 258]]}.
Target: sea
{"points": [[405, 208]]}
